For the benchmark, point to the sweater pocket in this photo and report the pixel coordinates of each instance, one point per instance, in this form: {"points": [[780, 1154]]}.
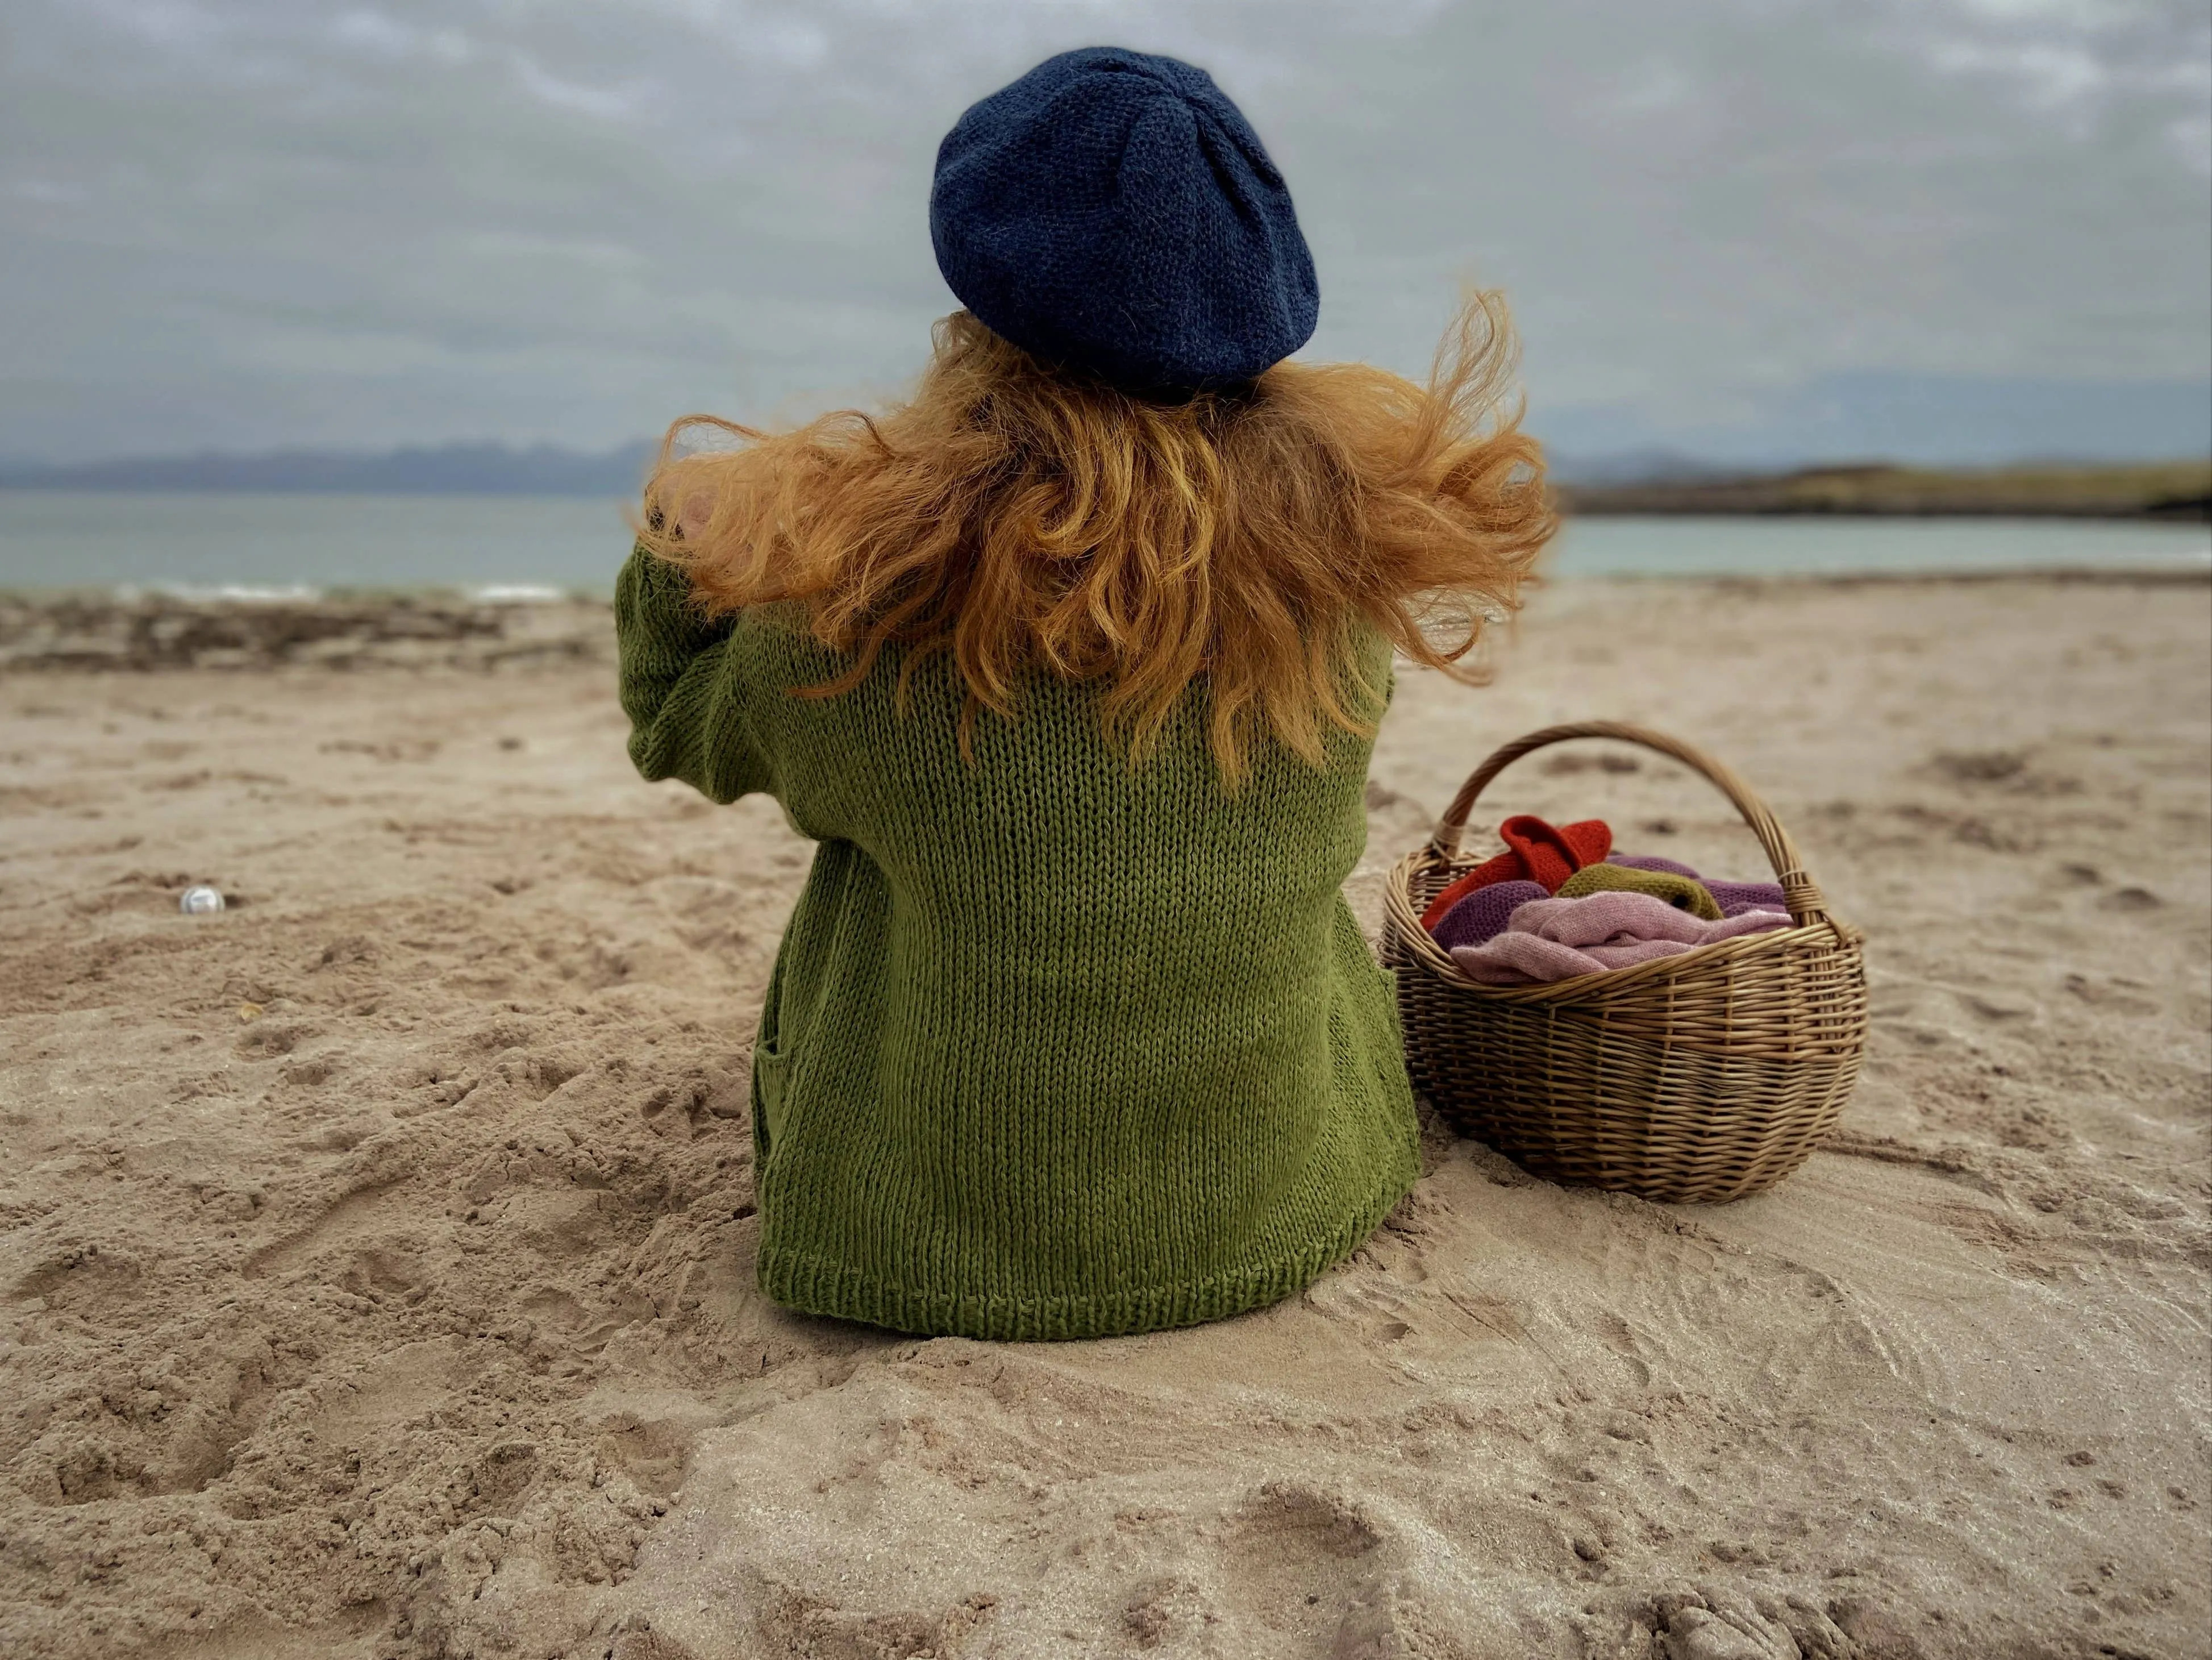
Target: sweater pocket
{"points": [[770, 1065]]}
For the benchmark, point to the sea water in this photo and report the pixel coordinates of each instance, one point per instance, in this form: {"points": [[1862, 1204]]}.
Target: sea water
{"points": [[516, 546], [211, 541], [1761, 546]]}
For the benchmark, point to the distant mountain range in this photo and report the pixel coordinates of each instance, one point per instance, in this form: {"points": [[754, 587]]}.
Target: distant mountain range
{"points": [[547, 470], [433, 470], [1941, 420]]}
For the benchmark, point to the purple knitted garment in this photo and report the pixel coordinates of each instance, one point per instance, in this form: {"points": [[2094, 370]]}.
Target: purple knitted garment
{"points": [[1732, 897], [1482, 915]]}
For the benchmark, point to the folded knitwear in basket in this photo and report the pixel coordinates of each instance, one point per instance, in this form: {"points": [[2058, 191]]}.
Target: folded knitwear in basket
{"points": [[1484, 913], [1559, 939], [1534, 852], [1684, 893], [1732, 897], [1481, 913]]}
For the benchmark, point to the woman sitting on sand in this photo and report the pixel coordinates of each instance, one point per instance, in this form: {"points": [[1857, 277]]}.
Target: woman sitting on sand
{"points": [[1072, 667]]}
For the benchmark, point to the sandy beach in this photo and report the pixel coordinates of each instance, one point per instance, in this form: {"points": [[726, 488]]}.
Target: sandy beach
{"points": [[377, 1255]]}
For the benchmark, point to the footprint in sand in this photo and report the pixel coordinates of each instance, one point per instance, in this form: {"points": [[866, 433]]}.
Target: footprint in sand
{"points": [[1303, 1563]]}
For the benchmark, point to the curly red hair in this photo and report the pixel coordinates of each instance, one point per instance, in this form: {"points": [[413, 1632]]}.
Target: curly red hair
{"points": [[1021, 519]]}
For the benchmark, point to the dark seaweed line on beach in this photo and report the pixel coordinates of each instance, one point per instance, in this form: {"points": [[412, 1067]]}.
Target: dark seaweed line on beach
{"points": [[145, 633]]}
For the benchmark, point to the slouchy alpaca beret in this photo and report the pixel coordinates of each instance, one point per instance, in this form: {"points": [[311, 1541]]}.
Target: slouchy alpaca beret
{"points": [[1114, 212]]}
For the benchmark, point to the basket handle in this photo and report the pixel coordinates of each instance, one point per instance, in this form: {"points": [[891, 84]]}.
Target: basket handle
{"points": [[1799, 891]]}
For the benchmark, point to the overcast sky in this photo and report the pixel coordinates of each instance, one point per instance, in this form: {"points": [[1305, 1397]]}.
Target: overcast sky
{"points": [[249, 223]]}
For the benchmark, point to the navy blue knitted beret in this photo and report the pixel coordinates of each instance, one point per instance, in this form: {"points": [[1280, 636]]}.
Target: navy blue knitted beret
{"points": [[1113, 211]]}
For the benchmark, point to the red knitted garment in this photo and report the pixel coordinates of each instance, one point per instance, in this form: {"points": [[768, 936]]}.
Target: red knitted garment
{"points": [[1534, 852]]}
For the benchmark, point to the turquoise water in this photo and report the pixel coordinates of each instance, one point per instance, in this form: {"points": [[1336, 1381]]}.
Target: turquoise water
{"points": [[51, 539]]}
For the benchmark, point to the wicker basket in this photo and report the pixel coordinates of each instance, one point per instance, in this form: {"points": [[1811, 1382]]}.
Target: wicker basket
{"points": [[1702, 1076]]}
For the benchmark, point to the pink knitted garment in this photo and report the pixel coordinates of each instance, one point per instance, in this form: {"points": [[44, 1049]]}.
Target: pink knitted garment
{"points": [[1551, 939]]}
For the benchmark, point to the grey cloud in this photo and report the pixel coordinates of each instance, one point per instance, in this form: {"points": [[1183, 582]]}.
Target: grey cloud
{"points": [[236, 224]]}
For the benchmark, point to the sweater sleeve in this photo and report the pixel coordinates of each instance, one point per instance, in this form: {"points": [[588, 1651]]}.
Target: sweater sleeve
{"points": [[683, 686]]}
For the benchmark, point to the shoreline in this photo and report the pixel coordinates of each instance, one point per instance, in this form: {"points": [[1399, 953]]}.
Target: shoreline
{"points": [[152, 631]]}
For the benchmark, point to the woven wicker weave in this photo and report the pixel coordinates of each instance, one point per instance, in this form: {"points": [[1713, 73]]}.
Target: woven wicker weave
{"points": [[1702, 1076]]}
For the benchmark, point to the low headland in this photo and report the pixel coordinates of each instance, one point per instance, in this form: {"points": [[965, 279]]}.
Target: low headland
{"points": [[2180, 491]]}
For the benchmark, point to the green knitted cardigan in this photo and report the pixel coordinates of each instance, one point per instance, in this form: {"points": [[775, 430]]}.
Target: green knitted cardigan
{"points": [[1057, 1044]]}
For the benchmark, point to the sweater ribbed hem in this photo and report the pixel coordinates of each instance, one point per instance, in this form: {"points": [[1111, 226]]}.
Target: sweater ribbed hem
{"points": [[815, 1285]]}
